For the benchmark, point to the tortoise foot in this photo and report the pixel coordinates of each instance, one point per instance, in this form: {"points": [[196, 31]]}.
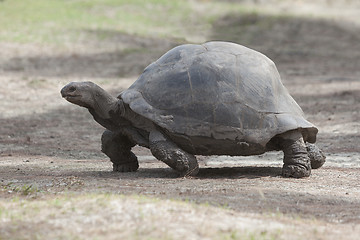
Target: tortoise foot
{"points": [[192, 169], [168, 152], [317, 157], [295, 171], [126, 167]]}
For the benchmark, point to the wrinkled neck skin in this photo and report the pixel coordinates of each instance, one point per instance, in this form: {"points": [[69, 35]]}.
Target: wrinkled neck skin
{"points": [[113, 114], [107, 110], [104, 103]]}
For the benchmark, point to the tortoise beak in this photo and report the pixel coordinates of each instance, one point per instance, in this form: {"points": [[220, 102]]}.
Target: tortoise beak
{"points": [[69, 91]]}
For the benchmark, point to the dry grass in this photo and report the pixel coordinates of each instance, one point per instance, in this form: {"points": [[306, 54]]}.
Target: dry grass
{"points": [[109, 216]]}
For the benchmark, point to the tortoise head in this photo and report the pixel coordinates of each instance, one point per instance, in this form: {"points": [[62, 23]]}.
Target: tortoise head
{"points": [[91, 96], [80, 93]]}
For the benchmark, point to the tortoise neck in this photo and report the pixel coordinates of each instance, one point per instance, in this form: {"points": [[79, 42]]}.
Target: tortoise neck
{"points": [[104, 103]]}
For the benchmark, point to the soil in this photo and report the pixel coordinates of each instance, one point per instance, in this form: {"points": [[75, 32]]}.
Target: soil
{"points": [[55, 146]]}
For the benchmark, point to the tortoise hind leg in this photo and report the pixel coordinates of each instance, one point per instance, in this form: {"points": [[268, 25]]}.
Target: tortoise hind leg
{"points": [[296, 159], [165, 150], [118, 148], [317, 157]]}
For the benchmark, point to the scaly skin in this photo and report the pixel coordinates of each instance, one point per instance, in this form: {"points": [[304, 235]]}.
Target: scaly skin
{"points": [[176, 158], [296, 159], [118, 148], [317, 157]]}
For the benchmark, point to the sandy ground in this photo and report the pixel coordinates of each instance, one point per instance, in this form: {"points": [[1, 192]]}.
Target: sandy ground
{"points": [[54, 147]]}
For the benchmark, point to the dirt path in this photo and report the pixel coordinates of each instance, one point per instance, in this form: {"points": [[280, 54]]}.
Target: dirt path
{"points": [[250, 199]]}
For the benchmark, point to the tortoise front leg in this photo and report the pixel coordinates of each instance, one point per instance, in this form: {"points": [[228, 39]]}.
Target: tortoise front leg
{"points": [[118, 148], [167, 151], [296, 159]]}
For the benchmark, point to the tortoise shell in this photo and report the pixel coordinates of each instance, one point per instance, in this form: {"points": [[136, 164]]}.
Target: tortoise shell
{"points": [[217, 90]]}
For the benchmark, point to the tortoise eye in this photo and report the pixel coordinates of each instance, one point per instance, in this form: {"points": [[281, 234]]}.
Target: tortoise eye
{"points": [[72, 89]]}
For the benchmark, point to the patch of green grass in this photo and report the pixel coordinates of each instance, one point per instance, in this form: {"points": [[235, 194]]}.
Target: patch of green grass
{"points": [[57, 21], [235, 235], [24, 190], [65, 21]]}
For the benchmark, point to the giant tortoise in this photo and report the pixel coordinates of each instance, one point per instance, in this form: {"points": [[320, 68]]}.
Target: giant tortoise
{"points": [[217, 98]]}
